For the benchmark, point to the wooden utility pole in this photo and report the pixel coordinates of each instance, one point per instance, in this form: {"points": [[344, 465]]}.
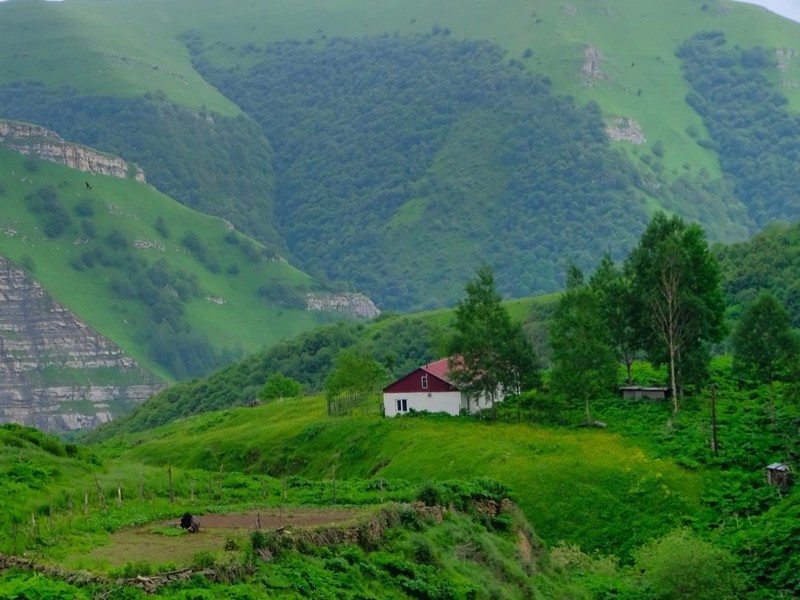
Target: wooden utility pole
{"points": [[714, 444]]}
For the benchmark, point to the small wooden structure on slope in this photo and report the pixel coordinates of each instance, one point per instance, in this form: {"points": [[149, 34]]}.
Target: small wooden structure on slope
{"points": [[780, 475], [638, 392]]}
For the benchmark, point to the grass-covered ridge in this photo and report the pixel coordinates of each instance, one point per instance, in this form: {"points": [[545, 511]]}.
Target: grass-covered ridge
{"points": [[136, 265]]}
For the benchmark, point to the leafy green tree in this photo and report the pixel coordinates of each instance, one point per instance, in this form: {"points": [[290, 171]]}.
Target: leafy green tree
{"points": [[280, 386], [676, 281], [765, 347], [614, 290], [488, 353], [354, 377], [584, 364]]}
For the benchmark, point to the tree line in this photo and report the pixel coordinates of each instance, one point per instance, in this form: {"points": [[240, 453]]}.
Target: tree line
{"points": [[664, 304]]}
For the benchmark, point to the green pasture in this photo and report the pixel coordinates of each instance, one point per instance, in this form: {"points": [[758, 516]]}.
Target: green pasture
{"points": [[589, 487]]}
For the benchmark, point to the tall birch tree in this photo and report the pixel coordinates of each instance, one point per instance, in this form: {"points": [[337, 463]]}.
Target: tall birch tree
{"points": [[676, 282]]}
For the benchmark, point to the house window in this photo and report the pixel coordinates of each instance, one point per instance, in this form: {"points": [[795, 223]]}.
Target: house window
{"points": [[424, 381], [402, 405]]}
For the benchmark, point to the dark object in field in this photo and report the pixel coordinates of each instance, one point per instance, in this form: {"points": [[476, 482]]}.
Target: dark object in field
{"points": [[88, 185], [189, 522]]}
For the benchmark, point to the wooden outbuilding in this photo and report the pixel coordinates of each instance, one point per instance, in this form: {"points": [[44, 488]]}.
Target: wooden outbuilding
{"points": [[779, 474], [639, 392]]}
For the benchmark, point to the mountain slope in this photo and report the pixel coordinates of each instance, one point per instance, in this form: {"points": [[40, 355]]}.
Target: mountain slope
{"points": [[182, 292], [362, 183]]}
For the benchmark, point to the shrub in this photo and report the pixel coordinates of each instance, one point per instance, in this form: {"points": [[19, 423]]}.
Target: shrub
{"points": [[681, 565]]}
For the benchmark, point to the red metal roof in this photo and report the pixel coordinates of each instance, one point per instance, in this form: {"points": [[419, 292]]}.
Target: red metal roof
{"points": [[412, 383], [438, 369]]}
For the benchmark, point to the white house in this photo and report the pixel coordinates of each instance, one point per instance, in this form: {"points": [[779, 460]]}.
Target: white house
{"points": [[430, 389]]}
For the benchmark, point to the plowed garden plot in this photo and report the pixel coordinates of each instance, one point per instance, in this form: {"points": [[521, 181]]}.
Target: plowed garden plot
{"points": [[157, 544]]}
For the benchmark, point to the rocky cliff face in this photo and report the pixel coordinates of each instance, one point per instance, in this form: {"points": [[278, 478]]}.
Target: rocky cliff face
{"points": [[56, 372], [33, 140], [355, 305]]}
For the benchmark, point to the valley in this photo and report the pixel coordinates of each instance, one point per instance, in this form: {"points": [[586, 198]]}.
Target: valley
{"points": [[226, 228]]}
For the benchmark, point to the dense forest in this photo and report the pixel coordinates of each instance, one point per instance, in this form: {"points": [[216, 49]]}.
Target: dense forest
{"points": [[756, 137], [770, 261], [367, 184]]}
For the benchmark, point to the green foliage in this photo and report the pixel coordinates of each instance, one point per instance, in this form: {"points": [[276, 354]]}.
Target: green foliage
{"points": [[54, 218], [770, 262], [401, 116], [280, 386], [212, 163], [676, 282], [616, 302], [680, 565], [398, 344], [584, 366], [488, 353], [746, 116], [764, 345]]}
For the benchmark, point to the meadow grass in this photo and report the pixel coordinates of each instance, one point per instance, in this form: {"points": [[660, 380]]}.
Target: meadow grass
{"points": [[582, 485]]}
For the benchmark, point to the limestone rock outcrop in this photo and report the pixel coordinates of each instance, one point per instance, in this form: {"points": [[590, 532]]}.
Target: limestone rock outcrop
{"points": [[355, 305], [56, 372], [33, 140]]}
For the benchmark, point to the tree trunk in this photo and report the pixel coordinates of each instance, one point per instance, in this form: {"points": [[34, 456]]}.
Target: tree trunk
{"points": [[672, 379]]}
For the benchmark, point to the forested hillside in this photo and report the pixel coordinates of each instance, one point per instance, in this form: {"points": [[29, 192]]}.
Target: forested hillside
{"points": [[403, 162], [394, 150], [770, 261]]}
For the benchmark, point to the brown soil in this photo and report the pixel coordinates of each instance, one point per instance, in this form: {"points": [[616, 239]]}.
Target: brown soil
{"points": [[149, 543], [274, 518]]}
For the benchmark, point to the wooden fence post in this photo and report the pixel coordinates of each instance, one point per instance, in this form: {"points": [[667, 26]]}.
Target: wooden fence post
{"points": [[86, 504], [101, 496], [14, 535], [119, 493], [171, 490]]}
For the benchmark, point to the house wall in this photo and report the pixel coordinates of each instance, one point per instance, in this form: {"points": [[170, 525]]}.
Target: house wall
{"points": [[475, 405], [449, 402]]}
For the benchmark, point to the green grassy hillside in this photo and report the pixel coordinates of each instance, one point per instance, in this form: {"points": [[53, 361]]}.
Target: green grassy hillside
{"points": [[192, 296], [621, 59], [547, 469]]}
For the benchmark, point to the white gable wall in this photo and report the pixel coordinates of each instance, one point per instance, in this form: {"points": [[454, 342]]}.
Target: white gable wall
{"points": [[449, 402]]}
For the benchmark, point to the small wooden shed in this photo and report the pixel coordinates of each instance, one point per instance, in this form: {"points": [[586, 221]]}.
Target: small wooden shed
{"points": [[779, 474], [638, 392]]}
